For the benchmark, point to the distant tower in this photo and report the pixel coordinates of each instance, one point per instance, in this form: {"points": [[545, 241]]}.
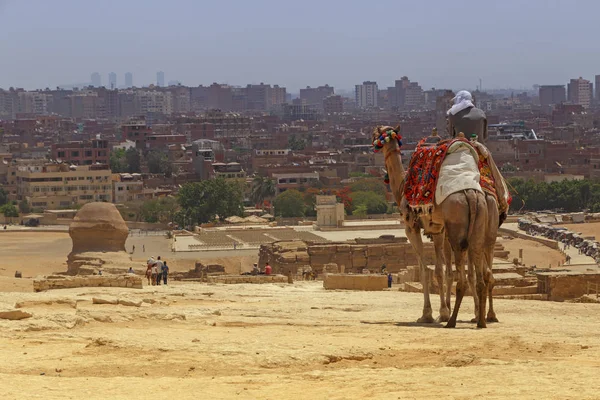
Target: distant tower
{"points": [[112, 80], [96, 80], [160, 78], [128, 79]]}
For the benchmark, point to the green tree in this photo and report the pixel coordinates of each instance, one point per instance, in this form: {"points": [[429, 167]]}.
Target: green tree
{"points": [[202, 202], [158, 163], [361, 211], [133, 160], [289, 204], [373, 202], [24, 207], [374, 185], [296, 144], [117, 161], [9, 210], [3, 196], [262, 188]]}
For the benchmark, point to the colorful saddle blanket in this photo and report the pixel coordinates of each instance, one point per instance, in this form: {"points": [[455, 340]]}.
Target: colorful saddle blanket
{"points": [[424, 172], [488, 182]]}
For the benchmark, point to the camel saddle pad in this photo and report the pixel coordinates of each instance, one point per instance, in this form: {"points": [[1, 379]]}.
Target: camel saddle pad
{"points": [[437, 171]]}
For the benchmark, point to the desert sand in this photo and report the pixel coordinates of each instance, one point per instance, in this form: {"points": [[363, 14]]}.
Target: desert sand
{"points": [[277, 341], [290, 342], [42, 253]]}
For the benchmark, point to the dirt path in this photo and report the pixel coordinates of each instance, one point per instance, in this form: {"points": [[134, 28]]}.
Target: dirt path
{"points": [[282, 341]]}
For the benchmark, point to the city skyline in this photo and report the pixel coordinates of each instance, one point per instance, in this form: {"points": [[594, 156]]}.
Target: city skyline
{"points": [[545, 42]]}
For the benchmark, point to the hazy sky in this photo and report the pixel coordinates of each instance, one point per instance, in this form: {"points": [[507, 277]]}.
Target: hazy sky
{"points": [[441, 44]]}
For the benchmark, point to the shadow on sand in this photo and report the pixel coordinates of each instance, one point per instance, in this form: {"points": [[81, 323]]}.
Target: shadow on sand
{"points": [[469, 324]]}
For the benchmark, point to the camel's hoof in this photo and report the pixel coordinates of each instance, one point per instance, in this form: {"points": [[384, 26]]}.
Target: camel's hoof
{"points": [[450, 325], [481, 325], [426, 320], [442, 318], [492, 319]]}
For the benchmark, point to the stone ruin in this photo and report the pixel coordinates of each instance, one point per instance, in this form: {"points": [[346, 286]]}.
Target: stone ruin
{"points": [[98, 232], [351, 257]]}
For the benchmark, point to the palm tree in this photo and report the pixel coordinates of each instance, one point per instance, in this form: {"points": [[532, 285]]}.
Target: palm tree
{"points": [[262, 188]]}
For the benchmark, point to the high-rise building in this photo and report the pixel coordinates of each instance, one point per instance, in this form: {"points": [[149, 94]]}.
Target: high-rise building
{"points": [[160, 78], [579, 91], [96, 80], [112, 80], [597, 89], [366, 94], [315, 96], [551, 95], [333, 104], [405, 94], [128, 79]]}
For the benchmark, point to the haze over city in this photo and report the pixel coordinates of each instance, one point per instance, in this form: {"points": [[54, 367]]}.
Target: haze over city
{"points": [[440, 44]]}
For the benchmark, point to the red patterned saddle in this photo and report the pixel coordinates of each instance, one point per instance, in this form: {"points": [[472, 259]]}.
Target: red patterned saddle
{"points": [[423, 171]]}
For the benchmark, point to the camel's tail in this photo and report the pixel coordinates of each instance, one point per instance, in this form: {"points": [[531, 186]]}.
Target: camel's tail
{"points": [[472, 201]]}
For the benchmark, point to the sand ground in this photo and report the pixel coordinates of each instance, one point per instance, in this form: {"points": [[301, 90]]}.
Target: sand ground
{"points": [[533, 253], [42, 253], [290, 342], [587, 229]]}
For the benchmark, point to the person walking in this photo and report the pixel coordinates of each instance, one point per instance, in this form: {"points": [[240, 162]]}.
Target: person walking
{"points": [[159, 266], [133, 249], [390, 279], [165, 272], [143, 248]]}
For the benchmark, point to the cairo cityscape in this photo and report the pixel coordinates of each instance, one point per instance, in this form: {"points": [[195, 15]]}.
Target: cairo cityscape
{"points": [[316, 200]]}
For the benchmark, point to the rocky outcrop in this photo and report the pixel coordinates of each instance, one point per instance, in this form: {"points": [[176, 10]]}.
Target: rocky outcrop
{"points": [[98, 233]]}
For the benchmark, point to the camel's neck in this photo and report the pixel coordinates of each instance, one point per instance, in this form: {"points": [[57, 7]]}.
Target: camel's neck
{"points": [[396, 173]]}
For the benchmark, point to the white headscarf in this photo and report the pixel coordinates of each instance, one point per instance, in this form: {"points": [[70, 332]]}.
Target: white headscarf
{"points": [[462, 100]]}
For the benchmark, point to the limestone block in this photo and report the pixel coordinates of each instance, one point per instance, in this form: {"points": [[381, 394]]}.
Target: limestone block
{"points": [[355, 282], [130, 303], [375, 263], [375, 251], [14, 315], [343, 248], [104, 300], [302, 258]]}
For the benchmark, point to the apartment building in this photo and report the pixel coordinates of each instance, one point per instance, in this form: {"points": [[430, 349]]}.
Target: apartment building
{"points": [[229, 170], [53, 186], [82, 152], [127, 188]]}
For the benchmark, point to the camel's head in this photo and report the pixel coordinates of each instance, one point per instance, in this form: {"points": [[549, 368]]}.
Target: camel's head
{"points": [[379, 130], [385, 134]]}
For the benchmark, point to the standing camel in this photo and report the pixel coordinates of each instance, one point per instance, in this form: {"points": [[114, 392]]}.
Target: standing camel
{"points": [[461, 216], [464, 116]]}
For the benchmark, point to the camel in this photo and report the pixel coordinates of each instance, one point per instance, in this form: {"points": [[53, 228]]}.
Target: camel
{"points": [[460, 218], [491, 232]]}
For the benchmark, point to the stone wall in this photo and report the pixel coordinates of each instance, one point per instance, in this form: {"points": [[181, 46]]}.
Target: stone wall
{"points": [[290, 256], [355, 282], [553, 244], [560, 286], [66, 282], [256, 279]]}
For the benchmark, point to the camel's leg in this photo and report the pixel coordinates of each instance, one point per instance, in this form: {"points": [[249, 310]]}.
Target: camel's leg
{"points": [[414, 237], [438, 242], [489, 281], [490, 241], [449, 274], [459, 259], [472, 287]]}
